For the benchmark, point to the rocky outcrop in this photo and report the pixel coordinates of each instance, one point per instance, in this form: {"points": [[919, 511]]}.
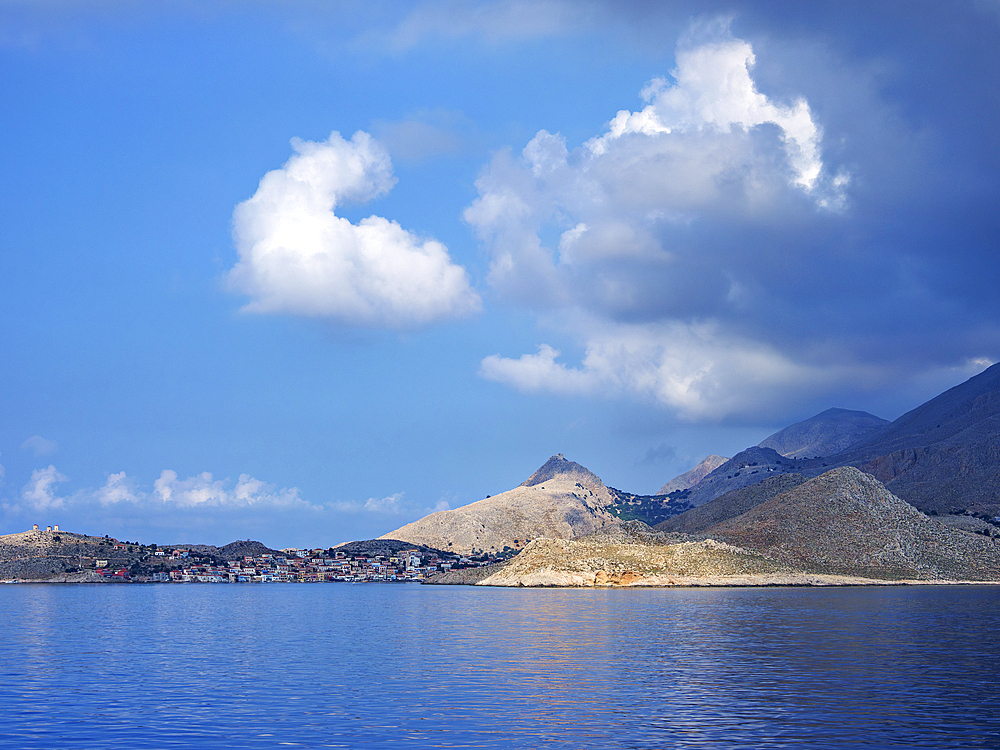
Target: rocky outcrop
{"points": [[690, 478], [558, 467], [562, 500], [829, 432]]}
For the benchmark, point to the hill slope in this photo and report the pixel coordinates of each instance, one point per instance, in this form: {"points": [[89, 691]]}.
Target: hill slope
{"points": [[829, 432], [847, 522], [945, 454]]}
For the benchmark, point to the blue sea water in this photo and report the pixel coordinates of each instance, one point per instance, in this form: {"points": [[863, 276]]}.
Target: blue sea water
{"points": [[407, 666]]}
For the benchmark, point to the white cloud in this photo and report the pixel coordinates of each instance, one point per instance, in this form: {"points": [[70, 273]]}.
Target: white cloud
{"points": [[40, 446], [298, 257], [201, 491], [714, 91], [660, 259], [39, 493], [540, 372], [390, 504], [118, 489], [204, 491], [697, 370]]}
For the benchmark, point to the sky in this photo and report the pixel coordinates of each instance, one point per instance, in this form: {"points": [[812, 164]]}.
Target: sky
{"points": [[306, 271]]}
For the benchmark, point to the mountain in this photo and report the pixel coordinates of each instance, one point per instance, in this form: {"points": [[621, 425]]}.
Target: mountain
{"points": [[843, 527], [847, 522], [689, 479], [562, 500], [829, 432], [942, 457]]}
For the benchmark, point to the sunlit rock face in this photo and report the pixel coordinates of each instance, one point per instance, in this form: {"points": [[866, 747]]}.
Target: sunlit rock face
{"points": [[562, 500]]}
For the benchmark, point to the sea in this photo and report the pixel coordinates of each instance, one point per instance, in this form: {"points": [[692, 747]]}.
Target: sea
{"points": [[341, 665]]}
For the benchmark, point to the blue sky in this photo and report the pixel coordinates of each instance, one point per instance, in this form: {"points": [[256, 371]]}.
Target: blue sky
{"points": [[304, 272]]}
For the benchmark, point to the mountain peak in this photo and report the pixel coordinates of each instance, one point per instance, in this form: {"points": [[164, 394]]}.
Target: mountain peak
{"points": [[825, 434], [559, 466]]}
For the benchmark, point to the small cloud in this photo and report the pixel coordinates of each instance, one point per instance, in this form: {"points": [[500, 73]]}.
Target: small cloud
{"points": [[538, 372], [389, 505], [40, 446], [118, 489], [204, 491], [298, 257], [39, 493]]}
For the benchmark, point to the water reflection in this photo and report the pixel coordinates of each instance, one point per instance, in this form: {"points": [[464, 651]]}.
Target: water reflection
{"points": [[392, 666]]}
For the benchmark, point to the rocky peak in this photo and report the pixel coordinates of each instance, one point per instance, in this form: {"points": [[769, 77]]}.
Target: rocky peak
{"points": [[558, 467]]}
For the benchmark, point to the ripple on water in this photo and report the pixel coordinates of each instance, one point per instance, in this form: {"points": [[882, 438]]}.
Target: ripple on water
{"points": [[386, 666]]}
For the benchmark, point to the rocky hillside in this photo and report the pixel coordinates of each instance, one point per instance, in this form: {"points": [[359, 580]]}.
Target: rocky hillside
{"points": [[829, 432], [561, 500], [596, 562], [631, 554], [689, 479], [847, 522], [61, 556]]}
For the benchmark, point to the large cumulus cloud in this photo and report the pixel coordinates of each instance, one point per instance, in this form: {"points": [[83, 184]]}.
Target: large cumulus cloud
{"points": [[297, 256], [708, 250]]}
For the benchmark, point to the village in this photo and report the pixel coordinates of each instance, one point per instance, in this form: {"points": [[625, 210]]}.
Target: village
{"points": [[51, 553], [292, 566]]}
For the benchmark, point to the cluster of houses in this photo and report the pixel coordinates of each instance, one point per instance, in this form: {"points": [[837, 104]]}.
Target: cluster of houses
{"points": [[301, 566]]}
